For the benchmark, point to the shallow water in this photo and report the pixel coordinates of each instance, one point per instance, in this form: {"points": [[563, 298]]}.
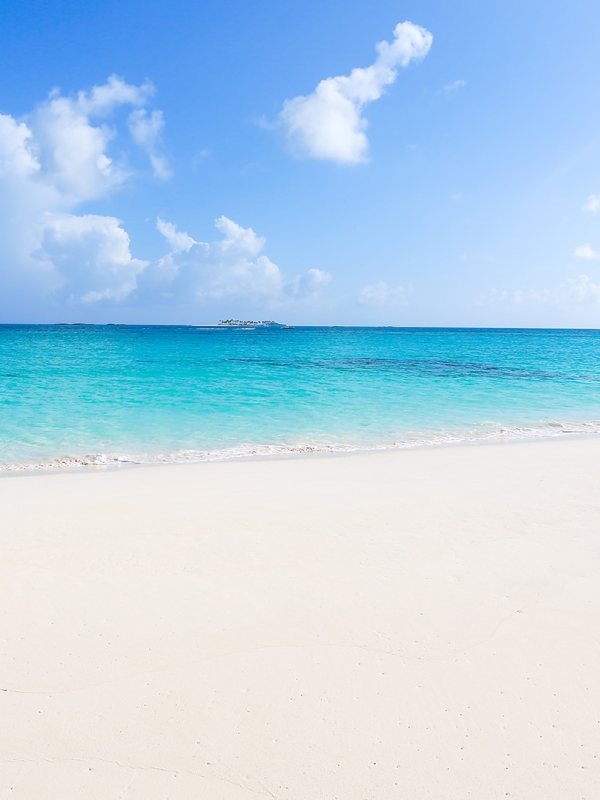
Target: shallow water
{"points": [[98, 394]]}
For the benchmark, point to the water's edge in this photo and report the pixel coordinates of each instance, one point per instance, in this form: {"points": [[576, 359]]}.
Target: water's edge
{"points": [[502, 434]]}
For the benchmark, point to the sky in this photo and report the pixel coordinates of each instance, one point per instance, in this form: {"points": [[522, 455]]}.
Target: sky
{"points": [[431, 162]]}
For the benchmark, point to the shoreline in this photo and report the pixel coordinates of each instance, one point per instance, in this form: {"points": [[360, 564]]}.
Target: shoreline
{"points": [[117, 461]]}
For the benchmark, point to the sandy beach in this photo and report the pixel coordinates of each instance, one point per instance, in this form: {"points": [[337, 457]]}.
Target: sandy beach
{"points": [[410, 624]]}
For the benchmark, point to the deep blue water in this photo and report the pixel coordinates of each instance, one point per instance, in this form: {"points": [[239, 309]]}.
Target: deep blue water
{"points": [[176, 393]]}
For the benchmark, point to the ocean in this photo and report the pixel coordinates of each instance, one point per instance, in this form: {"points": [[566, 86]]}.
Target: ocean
{"points": [[102, 394]]}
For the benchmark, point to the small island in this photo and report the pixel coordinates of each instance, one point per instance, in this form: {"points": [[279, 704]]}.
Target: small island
{"points": [[248, 323]]}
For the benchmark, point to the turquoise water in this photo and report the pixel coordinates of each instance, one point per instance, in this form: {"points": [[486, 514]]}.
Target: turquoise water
{"points": [[97, 394]]}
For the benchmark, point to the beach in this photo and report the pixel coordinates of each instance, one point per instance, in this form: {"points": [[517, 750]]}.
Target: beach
{"points": [[401, 624]]}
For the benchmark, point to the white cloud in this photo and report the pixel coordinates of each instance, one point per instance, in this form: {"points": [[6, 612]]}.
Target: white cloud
{"points": [[52, 161], [17, 159], [382, 294], [146, 130], [180, 242], [56, 259], [238, 239], [450, 88], [307, 285], [91, 255], [115, 92], [229, 267], [592, 203], [72, 152], [328, 123], [585, 251]]}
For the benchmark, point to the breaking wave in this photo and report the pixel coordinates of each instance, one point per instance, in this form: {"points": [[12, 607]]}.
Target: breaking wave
{"points": [[405, 441]]}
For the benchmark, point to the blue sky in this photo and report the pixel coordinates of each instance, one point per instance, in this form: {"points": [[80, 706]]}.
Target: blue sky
{"points": [[455, 182]]}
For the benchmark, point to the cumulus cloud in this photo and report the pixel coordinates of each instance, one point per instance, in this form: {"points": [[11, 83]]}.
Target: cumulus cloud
{"points": [[328, 124], [230, 267], [382, 294], [585, 251], [56, 257], [52, 161], [72, 151], [91, 256], [592, 203]]}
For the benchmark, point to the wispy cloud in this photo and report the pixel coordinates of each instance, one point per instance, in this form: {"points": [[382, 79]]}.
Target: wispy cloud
{"points": [[145, 131], [576, 290], [199, 157], [382, 294], [451, 88], [328, 124], [592, 203], [585, 251], [581, 290]]}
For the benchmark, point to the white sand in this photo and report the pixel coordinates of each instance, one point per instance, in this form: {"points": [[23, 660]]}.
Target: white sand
{"points": [[418, 624]]}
